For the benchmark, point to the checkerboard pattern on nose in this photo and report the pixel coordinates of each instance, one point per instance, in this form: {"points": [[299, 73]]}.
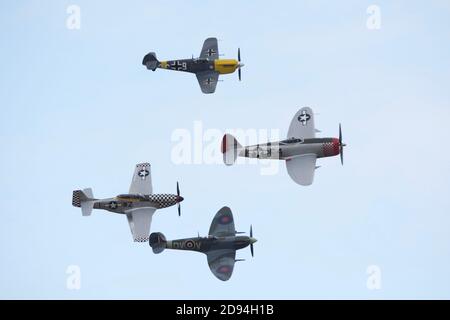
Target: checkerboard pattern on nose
{"points": [[164, 200], [330, 149]]}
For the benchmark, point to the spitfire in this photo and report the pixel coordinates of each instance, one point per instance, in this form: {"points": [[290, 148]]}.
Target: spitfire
{"points": [[300, 150], [207, 67], [138, 205], [220, 245]]}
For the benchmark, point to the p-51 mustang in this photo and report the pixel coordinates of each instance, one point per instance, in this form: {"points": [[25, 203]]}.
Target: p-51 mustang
{"points": [[300, 150], [138, 205], [206, 67], [220, 246]]}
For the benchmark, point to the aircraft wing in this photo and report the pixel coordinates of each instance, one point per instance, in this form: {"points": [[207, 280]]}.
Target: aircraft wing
{"points": [[302, 125], [301, 168], [142, 180], [140, 220], [208, 81], [210, 49], [222, 224], [221, 263]]}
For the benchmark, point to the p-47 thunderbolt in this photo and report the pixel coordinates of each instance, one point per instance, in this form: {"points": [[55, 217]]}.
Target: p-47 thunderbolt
{"points": [[219, 246], [300, 150], [138, 205], [207, 67]]}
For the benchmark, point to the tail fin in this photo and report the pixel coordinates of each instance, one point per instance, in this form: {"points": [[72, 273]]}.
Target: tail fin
{"points": [[230, 149], [158, 242], [150, 61], [84, 199]]}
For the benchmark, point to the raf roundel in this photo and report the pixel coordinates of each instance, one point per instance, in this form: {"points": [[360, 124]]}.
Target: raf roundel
{"points": [[189, 244], [225, 219], [224, 269]]}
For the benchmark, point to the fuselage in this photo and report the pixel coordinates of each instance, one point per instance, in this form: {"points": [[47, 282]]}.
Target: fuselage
{"points": [[286, 149], [124, 202], [222, 66], [210, 243]]}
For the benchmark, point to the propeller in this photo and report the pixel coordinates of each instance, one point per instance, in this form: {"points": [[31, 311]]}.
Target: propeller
{"points": [[251, 240], [240, 64], [179, 199], [341, 145]]}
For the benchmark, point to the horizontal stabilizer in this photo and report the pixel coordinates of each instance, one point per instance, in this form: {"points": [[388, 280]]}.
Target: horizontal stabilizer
{"points": [[150, 61], [158, 242], [230, 149], [83, 199], [86, 208]]}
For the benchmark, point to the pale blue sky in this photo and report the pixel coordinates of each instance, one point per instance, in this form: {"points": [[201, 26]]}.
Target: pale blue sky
{"points": [[79, 110]]}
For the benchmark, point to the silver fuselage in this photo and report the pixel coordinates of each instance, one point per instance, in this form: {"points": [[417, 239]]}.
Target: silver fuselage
{"points": [[125, 202], [322, 147]]}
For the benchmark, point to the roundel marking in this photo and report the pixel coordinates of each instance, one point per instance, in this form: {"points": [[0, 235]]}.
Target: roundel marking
{"points": [[304, 117], [189, 244], [143, 173], [225, 219], [113, 205], [224, 269]]}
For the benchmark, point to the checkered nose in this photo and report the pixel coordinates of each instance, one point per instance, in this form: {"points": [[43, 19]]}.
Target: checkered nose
{"points": [[331, 148], [336, 146]]}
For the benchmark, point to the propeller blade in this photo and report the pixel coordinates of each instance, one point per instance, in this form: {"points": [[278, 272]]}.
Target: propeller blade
{"points": [[178, 204], [341, 145], [251, 236], [239, 54], [239, 73]]}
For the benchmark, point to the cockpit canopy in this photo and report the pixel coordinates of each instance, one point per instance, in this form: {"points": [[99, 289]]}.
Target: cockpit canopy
{"points": [[131, 196], [291, 140], [200, 60]]}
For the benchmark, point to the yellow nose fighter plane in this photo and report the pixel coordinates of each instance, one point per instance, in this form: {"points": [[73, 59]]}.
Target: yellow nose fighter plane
{"points": [[207, 67]]}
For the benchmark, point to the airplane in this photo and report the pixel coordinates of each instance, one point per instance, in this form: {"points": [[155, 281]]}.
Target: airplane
{"points": [[301, 149], [219, 246], [207, 67], [139, 204]]}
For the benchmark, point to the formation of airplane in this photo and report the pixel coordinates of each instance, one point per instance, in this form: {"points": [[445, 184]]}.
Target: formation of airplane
{"points": [[207, 67], [220, 245], [300, 150], [139, 204]]}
